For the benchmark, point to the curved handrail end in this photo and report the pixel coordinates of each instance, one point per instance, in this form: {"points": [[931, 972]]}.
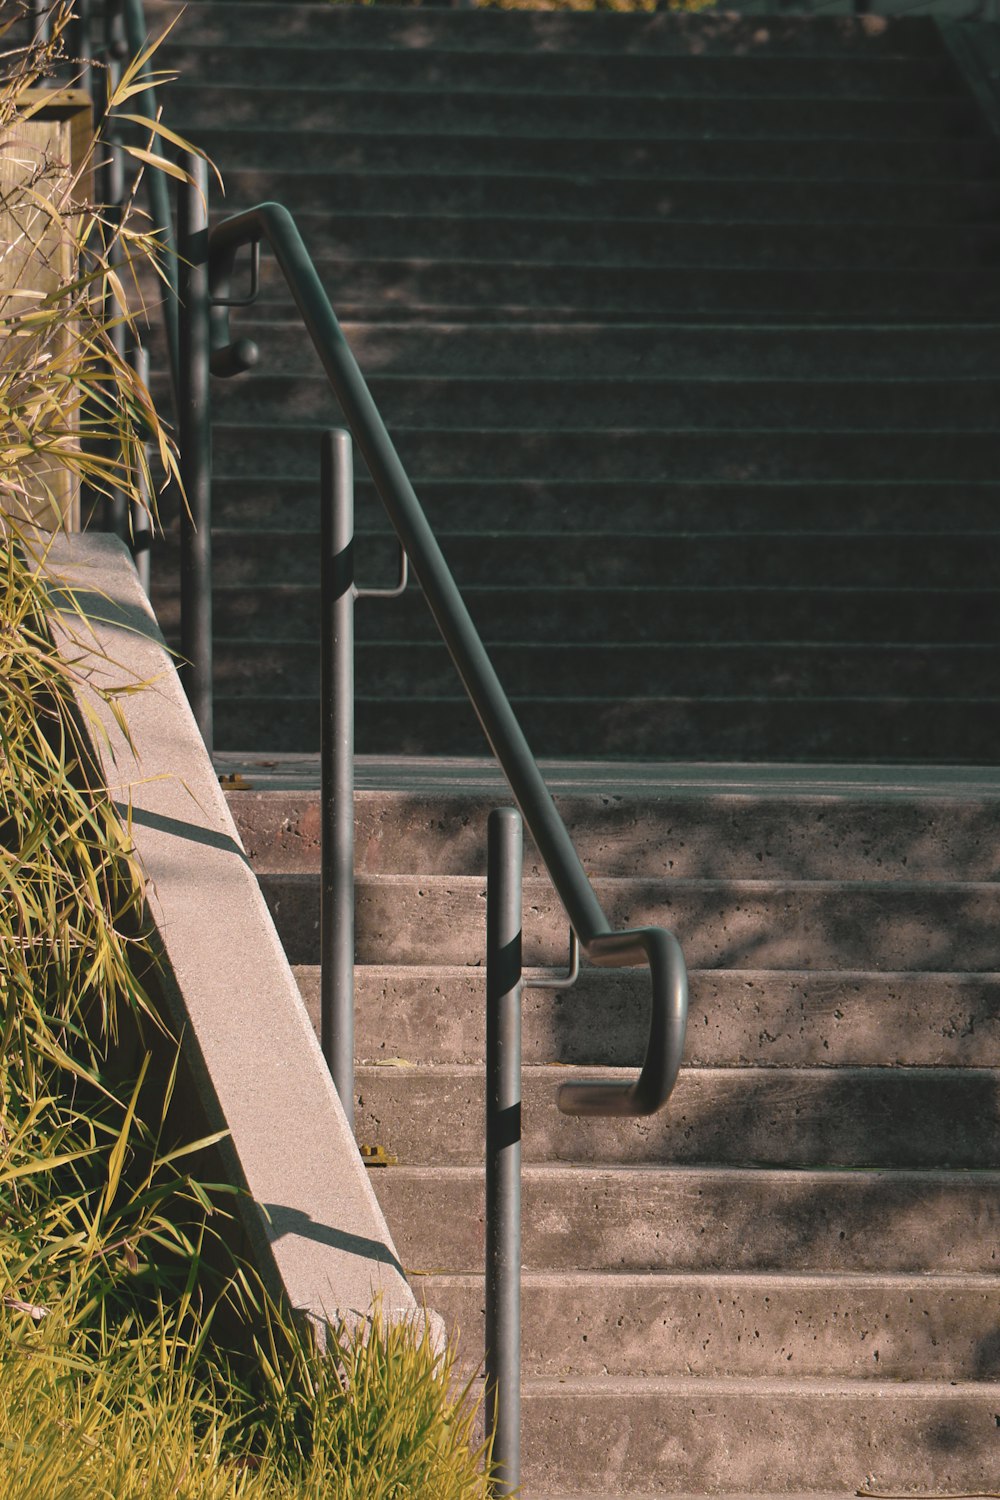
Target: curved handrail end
{"points": [[667, 1025]]}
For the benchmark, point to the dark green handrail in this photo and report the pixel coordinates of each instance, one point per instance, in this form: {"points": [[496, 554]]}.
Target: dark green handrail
{"points": [[654, 947]]}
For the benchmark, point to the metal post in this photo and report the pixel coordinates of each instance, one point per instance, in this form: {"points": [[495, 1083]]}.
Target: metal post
{"points": [[337, 596], [142, 534], [81, 39], [41, 20], [503, 1145], [115, 507], [195, 442]]}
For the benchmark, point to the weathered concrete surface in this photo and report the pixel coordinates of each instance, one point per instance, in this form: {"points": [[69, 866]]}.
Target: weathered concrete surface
{"points": [[795, 1117], [944, 833], [761, 1018], [406, 919], [314, 1227], [673, 34], [623, 1435], [705, 1218], [753, 1326]]}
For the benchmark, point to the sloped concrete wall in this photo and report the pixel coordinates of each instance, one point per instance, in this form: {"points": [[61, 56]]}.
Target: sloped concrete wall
{"points": [[314, 1227]]}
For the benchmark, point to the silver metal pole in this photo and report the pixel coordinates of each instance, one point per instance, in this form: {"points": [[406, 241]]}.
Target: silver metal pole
{"points": [[195, 443], [503, 1145], [337, 596]]}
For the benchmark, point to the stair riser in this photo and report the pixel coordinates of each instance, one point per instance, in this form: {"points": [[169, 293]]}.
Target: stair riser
{"points": [[356, 69], [618, 246], [661, 199], [912, 161], [701, 1220], [674, 455], [749, 925], [400, 670], [684, 836], [675, 353], [488, 290], [530, 508], [879, 1117], [920, 732], [636, 403], [232, 102], [759, 1442], [687, 560], [745, 1327], [737, 1018], [665, 34], [629, 616]]}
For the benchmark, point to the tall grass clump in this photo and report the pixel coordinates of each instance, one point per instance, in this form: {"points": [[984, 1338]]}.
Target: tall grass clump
{"points": [[115, 1380]]}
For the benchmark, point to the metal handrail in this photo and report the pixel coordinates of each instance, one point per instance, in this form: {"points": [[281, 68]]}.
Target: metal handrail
{"points": [[655, 947]]}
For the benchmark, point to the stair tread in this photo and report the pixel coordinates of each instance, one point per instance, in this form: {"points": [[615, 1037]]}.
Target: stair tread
{"points": [[759, 976], [674, 778], [791, 1388], [728, 1282], [429, 1071], [980, 1178]]}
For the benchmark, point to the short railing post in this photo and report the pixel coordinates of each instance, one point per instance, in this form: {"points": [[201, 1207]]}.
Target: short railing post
{"points": [[337, 594], [503, 1145], [195, 441], [142, 505]]}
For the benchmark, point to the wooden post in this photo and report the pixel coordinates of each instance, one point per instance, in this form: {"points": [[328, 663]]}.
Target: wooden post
{"points": [[39, 154]]}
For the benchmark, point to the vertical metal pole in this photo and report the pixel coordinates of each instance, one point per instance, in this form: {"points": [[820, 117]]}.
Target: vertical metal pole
{"points": [[337, 763], [503, 1145], [142, 533], [115, 508], [41, 20], [81, 39], [195, 442]]}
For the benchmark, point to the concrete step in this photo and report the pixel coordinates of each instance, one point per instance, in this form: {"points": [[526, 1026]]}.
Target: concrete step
{"points": [[767, 1018], [719, 1326], [657, 115], [290, 612], [453, 69], [865, 354], [620, 244], [403, 670], [630, 455], [928, 731], [654, 821], [666, 33], [629, 1434], [907, 1118], [672, 1494], [757, 200], [622, 159], [703, 1219], [492, 291], [615, 506], [740, 924], [483, 402], [689, 559]]}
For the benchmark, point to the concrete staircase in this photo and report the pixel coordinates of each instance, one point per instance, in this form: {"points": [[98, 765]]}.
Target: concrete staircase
{"points": [[786, 1282], [687, 328]]}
